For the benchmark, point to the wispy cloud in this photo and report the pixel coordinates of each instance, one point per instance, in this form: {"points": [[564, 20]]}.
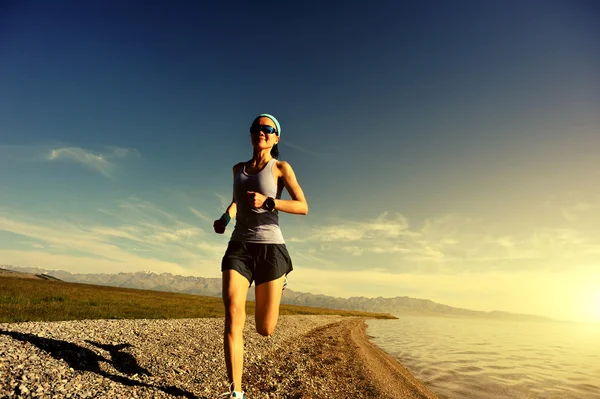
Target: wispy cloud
{"points": [[119, 152], [33, 244], [225, 201], [134, 230], [449, 242], [105, 211], [177, 235], [287, 143], [98, 161], [201, 215], [385, 226], [323, 151], [143, 209], [145, 237], [575, 211]]}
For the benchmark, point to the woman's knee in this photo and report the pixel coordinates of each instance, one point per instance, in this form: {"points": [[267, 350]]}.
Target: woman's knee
{"points": [[235, 316], [265, 328]]}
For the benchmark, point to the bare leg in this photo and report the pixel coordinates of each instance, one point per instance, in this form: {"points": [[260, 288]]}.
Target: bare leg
{"points": [[268, 298], [235, 289]]}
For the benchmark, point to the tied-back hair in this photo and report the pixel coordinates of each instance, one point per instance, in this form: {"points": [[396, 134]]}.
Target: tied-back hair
{"points": [[275, 151]]}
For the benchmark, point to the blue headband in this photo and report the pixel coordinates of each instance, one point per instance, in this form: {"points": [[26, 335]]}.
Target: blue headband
{"points": [[271, 117]]}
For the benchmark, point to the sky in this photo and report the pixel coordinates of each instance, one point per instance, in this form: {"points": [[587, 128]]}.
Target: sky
{"points": [[447, 150]]}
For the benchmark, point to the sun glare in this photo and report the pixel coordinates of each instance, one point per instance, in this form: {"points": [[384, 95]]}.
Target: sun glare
{"points": [[594, 306]]}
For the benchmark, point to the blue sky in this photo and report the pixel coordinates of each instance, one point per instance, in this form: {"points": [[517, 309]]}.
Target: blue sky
{"points": [[447, 151]]}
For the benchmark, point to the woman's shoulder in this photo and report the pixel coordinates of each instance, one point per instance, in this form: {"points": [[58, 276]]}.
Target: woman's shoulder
{"points": [[237, 167], [282, 164], [283, 167]]}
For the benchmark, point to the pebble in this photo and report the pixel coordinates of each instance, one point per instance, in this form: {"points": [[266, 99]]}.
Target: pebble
{"points": [[133, 358]]}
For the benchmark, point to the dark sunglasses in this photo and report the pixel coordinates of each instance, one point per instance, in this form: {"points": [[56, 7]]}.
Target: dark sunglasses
{"points": [[266, 129]]}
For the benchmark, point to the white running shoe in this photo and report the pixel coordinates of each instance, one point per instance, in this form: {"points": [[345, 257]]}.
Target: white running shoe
{"points": [[285, 281], [232, 394]]}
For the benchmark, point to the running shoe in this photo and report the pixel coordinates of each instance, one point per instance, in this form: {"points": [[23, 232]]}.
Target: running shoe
{"points": [[232, 394], [284, 283]]}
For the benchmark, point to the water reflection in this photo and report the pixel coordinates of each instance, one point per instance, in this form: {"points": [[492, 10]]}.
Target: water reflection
{"points": [[474, 358]]}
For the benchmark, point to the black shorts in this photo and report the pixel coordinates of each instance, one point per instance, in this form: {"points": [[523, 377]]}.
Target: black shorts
{"points": [[257, 262]]}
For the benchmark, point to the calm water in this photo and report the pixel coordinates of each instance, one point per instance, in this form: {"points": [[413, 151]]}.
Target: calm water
{"points": [[470, 358]]}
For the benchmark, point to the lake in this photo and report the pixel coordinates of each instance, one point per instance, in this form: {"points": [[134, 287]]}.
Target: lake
{"points": [[480, 358]]}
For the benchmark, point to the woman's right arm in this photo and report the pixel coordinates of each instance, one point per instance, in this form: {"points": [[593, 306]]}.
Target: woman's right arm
{"points": [[232, 208], [219, 225]]}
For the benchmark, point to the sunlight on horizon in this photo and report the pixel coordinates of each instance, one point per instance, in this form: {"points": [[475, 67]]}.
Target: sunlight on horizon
{"points": [[593, 305]]}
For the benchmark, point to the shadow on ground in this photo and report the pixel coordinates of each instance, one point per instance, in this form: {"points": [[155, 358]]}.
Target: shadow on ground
{"points": [[121, 361], [84, 359]]}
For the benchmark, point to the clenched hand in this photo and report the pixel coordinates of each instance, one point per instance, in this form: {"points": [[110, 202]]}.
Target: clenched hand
{"points": [[255, 199]]}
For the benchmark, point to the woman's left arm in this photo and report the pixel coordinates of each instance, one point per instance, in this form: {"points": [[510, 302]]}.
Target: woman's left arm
{"points": [[297, 205]]}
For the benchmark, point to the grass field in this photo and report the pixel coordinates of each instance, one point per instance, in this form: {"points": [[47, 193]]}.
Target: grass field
{"points": [[26, 299]]}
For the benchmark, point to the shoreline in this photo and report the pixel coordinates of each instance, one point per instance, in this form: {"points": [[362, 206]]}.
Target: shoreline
{"points": [[389, 373], [306, 357]]}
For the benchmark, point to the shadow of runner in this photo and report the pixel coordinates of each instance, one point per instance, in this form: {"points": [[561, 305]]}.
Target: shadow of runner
{"points": [[83, 359], [122, 361]]}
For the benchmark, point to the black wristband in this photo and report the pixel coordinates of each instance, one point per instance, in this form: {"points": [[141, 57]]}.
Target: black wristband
{"points": [[225, 218]]}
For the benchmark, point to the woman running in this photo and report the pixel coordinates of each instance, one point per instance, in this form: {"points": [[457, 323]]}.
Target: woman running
{"points": [[256, 251]]}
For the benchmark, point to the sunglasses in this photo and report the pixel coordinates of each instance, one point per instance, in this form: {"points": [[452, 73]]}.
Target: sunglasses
{"points": [[266, 129]]}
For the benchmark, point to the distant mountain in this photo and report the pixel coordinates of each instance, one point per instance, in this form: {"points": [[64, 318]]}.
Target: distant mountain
{"points": [[14, 273], [212, 287], [140, 280]]}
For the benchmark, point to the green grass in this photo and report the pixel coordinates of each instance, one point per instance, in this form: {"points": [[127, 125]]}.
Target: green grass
{"points": [[23, 299]]}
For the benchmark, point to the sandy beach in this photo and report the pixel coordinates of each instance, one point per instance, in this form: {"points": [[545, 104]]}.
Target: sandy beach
{"points": [[307, 357]]}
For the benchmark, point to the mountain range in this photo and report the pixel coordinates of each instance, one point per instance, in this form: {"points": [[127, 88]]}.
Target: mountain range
{"points": [[398, 306]]}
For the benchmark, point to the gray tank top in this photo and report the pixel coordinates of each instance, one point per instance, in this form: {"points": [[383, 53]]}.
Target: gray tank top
{"points": [[256, 225]]}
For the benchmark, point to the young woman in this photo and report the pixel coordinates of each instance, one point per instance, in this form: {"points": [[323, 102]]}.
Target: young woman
{"points": [[256, 251]]}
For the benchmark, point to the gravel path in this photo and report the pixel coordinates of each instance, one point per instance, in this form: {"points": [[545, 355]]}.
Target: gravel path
{"points": [[306, 357]]}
